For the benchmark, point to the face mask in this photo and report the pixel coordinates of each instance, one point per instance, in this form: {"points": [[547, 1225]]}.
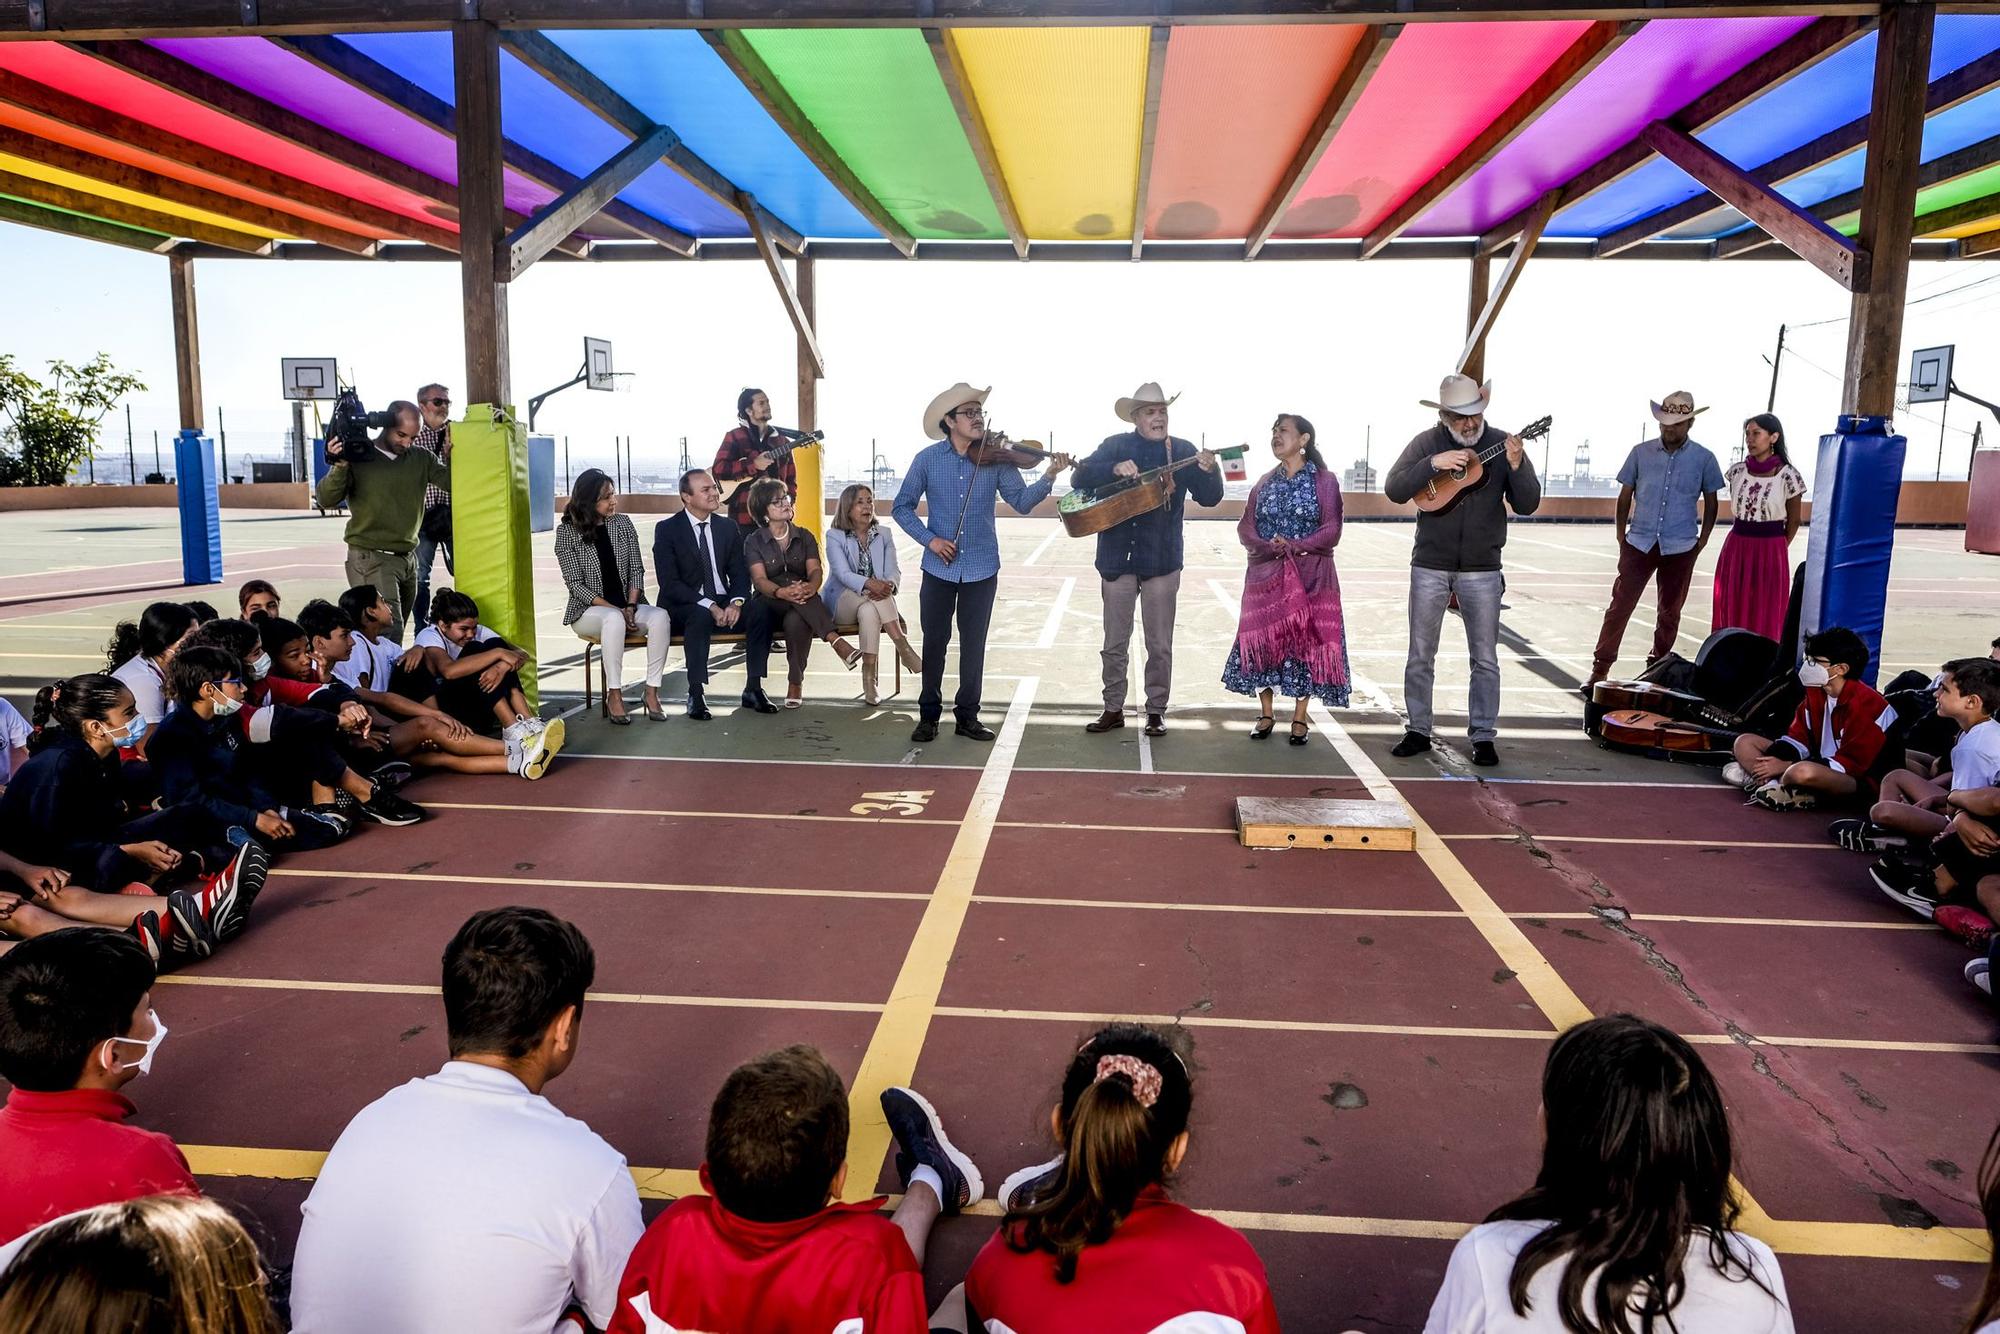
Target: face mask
{"points": [[259, 667], [133, 733], [224, 705], [1812, 675], [144, 1065]]}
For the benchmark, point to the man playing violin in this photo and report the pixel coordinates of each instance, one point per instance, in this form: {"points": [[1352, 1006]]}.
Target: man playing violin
{"points": [[747, 455], [1457, 554], [961, 547], [1139, 561]]}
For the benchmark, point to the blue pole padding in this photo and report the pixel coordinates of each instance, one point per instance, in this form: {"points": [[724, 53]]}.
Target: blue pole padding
{"points": [[1859, 480], [201, 511]]}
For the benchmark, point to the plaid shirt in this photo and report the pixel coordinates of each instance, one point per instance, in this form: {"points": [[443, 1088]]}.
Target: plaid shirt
{"points": [[436, 440], [736, 462]]}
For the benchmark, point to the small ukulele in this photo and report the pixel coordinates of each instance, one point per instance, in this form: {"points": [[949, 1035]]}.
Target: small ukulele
{"points": [[1443, 490]]}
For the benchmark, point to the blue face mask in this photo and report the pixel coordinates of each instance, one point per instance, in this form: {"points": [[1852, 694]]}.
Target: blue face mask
{"points": [[134, 732]]}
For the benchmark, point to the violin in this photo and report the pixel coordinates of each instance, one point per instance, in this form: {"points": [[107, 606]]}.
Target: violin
{"points": [[996, 449]]}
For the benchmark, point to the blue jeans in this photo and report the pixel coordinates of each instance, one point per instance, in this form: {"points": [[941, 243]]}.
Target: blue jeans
{"points": [[1479, 599], [427, 551]]}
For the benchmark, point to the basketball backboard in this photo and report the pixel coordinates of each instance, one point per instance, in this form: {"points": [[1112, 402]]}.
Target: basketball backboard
{"points": [[311, 377], [597, 364], [1930, 374]]}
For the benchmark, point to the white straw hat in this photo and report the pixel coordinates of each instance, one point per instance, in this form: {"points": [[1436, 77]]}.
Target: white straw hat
{"points": [[1147, 395], [1461, 396], [950, 401], [1676, 408]]}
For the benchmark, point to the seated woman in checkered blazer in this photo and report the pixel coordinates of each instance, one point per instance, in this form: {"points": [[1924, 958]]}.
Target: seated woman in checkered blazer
{"points": [[598, 551]]}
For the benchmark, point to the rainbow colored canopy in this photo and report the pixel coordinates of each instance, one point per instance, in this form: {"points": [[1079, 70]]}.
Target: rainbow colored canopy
{"points": [[1225, 133]]}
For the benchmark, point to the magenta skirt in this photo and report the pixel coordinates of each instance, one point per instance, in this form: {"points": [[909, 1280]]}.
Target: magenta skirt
{"points": [[1753, 583]]}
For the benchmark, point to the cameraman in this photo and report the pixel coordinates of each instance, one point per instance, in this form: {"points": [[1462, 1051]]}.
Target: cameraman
{"points": [[434, 534], [384, 492]]}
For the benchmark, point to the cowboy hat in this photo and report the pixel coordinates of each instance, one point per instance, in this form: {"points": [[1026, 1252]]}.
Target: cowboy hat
{"points": [[1460, 396], [1676, 408], [951, 400], [1147, 395]]}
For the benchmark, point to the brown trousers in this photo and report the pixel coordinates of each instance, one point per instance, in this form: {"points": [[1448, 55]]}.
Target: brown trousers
{"points": [[1670, 575]]}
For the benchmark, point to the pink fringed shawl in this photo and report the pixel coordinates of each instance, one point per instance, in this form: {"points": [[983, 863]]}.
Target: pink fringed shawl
{"points": [[1291, 599]]}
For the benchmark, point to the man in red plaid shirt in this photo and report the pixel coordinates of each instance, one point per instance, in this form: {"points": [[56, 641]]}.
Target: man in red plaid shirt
{"points": [[434, 401], [747, 455]]}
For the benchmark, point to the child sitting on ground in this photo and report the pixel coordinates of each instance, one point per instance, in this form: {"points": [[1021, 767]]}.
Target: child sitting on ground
{"points": [[476, 673], [1835, 747], [429, 737], [257, 599], [1092, 1240], [1960, 868], [379, 663], [1629, 1225], [768, 1248], [1912, 808]]}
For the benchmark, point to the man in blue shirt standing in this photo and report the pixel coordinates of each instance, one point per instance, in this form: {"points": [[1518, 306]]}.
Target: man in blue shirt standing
{"points": [[1139, 560], [961, 549], [1656, 528]]}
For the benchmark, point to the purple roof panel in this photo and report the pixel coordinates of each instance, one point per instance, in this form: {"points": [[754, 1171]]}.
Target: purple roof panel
{"points": [[1660, 70]]}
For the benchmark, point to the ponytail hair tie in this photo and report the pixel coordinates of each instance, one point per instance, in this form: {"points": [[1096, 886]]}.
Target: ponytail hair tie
{"points": [[1145, 1080]]}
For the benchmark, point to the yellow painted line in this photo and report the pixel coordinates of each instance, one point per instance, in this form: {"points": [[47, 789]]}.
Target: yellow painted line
{"points": [[52, 657], [606, 997], [1116, 828], [217, 1160], [649, 885], [1821, 846], [1261, 1025], [891, 1057], [686, 815]]}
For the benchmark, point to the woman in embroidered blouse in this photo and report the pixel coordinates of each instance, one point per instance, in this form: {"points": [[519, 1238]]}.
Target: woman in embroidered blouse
{"points": [[1753, 577], [597, 550], [785, 569], [861, 581], [1290, 636]]}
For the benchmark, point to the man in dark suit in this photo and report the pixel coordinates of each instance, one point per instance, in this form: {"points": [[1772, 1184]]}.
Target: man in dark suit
{"points": [[705, 587]]}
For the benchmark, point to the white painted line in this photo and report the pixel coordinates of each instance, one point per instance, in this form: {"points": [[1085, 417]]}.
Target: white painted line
{"points": [[1047, 639], [1036, 555], [1145, 752]]}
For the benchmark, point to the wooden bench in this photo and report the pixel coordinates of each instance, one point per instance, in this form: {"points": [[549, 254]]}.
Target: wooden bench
{"points": [[590, 648]]}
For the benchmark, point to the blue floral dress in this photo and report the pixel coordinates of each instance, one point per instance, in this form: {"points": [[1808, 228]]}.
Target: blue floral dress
{"points": [[1288, 507]]}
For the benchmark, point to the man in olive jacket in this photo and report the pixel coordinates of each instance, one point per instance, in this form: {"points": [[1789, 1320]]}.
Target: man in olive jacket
{"points": [[384, 494]]}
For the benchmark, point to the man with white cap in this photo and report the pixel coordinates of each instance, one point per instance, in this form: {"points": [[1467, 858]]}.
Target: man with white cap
{"points": [[961, 549], [1139, 561], [1457, 553], [1656, 535]]}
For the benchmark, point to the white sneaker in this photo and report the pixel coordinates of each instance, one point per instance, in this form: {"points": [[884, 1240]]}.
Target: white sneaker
{"points": [[1775, 796], [1735, 773], [1026, 1176], [1978, 971]]}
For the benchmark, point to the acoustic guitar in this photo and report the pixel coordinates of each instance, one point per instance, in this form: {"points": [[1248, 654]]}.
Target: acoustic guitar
{"points": [[1655, 731], [1086, 512], [779, 446], [1438, 495]]}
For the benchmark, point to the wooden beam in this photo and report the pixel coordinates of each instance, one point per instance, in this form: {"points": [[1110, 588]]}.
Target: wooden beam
{"points": [[1348, 86], [810, 369], [50, 195], [1888, 209], [1788, 59], [1475, 338], [1958, 215], [1799, 231], [750, 70], [91, 119], [1149, 128], [87, 229], [187, 341], [1956, 165], [568, 73], [475, 59], [801, 317], [1478, 292], [124, 176], [350, 66], [1591, 48], [973, 123], [579, 204], [1961, 85], [1983, 244]]}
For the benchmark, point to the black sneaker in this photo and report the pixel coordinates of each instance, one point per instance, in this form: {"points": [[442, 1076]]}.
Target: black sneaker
{"points": [[236, 889], [925, 730], [1484, 755], [1413, 743], [1024, 1185], [1908, 883], [388, 808], [392, 774], [329, 814], [921, 1142], [146, 927], [193, 933], [1864, 836]]}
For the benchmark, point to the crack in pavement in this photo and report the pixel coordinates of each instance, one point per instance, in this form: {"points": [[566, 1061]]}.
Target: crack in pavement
{"points": [[1206, 1001]]}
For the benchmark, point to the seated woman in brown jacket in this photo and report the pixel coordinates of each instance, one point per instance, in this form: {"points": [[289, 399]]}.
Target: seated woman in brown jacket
{"points": [[785, 569]]}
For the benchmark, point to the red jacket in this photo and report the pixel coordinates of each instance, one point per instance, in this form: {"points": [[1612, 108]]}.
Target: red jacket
{"points": [[1861, 720], [1164, 1263], [845, 1268], [61, 1152]]}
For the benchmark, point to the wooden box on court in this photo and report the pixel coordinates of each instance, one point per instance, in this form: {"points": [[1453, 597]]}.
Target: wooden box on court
{"points": [[1313, 822]]}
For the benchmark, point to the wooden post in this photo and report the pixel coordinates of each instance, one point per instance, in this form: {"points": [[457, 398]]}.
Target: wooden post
{"points": [[1888, 209], [187, 341], [808, 364], [811, 510], [482, 219], [1475, 306]]}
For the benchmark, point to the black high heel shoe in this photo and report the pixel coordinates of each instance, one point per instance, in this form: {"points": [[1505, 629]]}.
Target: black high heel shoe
{"points": [[1265, 722], [1299, 738], [616, 720]]}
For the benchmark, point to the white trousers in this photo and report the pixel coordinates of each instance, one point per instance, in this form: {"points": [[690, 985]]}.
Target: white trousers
{"points": [[869, 617], [607, 626]]}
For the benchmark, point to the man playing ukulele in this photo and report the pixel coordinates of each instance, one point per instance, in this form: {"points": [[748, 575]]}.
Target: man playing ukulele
{"points": [[1457, 553]]}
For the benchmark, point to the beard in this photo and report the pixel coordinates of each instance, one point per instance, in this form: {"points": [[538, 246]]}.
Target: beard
{"points": [[1467, 436]]}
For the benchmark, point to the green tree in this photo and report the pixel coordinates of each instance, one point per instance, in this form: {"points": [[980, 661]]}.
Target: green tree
{"points": [[47, 429]]}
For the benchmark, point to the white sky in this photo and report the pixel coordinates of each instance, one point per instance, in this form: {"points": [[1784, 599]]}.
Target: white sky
{"points": [[1349, 345]]}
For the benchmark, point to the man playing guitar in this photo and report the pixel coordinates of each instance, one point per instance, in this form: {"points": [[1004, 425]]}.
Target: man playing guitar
{"points": [[747, 455], [1457, 554]]}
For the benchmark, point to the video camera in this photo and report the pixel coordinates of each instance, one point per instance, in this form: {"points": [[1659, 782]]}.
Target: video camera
{"points": [[347, 439]]}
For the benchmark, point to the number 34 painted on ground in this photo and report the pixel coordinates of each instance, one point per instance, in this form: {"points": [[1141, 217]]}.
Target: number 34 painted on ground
{"points": [[892, 803]]}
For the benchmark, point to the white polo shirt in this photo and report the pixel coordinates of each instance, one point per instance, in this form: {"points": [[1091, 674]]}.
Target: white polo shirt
{"points": [[462, 1201], [1975, 759], [370, 665]]}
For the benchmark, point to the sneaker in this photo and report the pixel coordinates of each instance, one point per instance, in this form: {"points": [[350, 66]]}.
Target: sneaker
{"points": [[236, 888], [1863, 836], [146, 926], [193, 934], [539, 747], [1979, 972], [1737, 776], [1909, 884], [392, 774], [388, 808], [330, 814], [1413, 743], [1775, 796], [552, 733], [1026, 1179], [921, 1142], [535, 761], [1484, 755]]}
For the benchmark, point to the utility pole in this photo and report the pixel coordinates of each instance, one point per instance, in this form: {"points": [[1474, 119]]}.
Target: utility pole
{"points": [[158, 469], [222, 434], [131, 463], [1771, 402]]}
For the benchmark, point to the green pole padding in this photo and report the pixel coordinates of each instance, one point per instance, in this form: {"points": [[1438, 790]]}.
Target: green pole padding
{"points": [[491, 533]]}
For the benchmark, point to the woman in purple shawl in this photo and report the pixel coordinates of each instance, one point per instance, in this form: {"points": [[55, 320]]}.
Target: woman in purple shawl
{"points": [[1290, 636]]}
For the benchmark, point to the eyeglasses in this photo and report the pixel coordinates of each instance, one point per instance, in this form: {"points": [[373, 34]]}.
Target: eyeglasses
{"points": [[438, 402], [976, 414], [230, 681]]}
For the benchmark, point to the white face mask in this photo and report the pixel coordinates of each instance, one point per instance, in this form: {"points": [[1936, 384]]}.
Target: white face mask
{"points": [[259, 667], [144, 1065], [224, 704], [1813, 675]]}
